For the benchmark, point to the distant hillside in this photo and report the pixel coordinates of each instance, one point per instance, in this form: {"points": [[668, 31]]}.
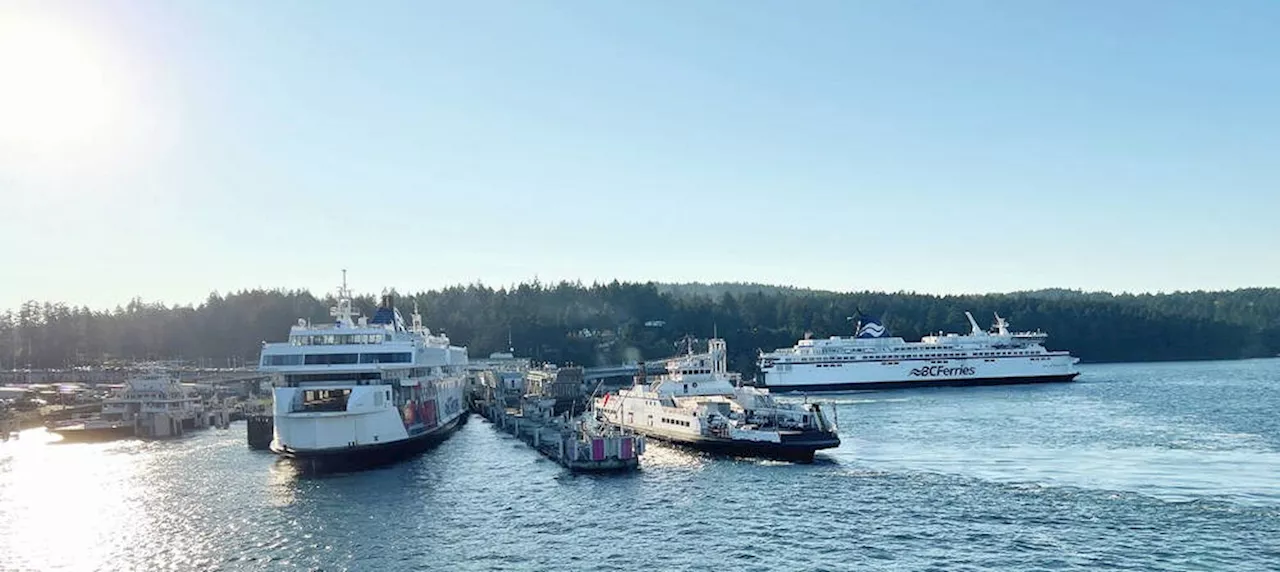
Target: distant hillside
{"points": [[718, 289], [616, 322]]}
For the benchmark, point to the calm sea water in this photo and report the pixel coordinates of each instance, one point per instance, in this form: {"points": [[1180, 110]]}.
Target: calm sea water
{"points": [[1137, 467]]}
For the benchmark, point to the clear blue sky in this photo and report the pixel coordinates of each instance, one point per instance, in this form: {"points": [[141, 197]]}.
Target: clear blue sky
{"points": [[950, 146]]}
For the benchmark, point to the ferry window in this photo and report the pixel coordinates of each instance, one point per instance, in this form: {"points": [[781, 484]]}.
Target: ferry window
{"points": [[282, 360], [295, 380], [325, 399], [388, 357], [330, 359]]}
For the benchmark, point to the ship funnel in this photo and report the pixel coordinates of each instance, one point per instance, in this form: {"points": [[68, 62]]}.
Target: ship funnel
{"points": [[977, 331]]}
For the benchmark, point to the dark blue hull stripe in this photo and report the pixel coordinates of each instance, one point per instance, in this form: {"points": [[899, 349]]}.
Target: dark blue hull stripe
{"points": [[376, 455], [961, 382]]}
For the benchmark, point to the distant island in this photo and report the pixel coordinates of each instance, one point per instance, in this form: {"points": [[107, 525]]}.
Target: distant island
{"points": [[621, 322]]}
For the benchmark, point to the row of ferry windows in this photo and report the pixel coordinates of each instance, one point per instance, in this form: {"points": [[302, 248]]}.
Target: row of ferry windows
{"points": [[152, 395], [338, 339], [337, 359], [675, 422], [363, 376], [926, 356]]}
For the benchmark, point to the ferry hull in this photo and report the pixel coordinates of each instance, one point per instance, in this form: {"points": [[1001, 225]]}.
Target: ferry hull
{"points": [[796, 448], [375, 455], [905, 384]]}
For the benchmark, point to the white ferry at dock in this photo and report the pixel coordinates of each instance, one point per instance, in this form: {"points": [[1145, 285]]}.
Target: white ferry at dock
{"points": [[700, 404], [364, 391], [151, 405], [874, 360]]}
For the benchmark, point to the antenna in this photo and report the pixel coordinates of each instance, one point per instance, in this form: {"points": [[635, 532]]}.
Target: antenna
{"points": [[343, 311], [417, 320]]}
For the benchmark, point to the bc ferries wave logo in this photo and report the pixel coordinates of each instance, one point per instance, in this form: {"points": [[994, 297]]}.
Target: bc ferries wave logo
{"points": [[871, 329], [942, 370]]}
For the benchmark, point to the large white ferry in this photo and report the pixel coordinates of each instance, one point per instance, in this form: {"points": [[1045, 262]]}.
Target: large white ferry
{"points": [[364, 391], [874, 360], [699, 404]]}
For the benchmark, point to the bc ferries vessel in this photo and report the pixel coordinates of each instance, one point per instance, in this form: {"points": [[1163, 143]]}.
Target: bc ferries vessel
{"points": [[873, 360], [151, 405], [698, 404], [363, 391]]}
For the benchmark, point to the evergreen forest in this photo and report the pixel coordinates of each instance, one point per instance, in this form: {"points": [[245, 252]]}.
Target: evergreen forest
{"points": [[571, 323]]}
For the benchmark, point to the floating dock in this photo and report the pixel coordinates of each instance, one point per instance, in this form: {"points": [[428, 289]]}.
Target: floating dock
{"points": [[579, 444]]}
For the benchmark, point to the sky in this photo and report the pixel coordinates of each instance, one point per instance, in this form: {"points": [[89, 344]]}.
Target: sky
{"points": [[164, 150]]}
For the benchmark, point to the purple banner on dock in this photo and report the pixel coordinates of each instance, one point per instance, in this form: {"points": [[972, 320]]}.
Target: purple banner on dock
{"points": [[597, 449], [624, 450]]}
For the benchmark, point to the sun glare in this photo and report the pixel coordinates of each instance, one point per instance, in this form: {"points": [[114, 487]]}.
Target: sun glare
{"points": [[59, 95]]}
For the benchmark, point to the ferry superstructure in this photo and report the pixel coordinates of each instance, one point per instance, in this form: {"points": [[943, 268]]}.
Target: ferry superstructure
{"points": [[874, 360], [699, 404], [153, 404], [364, 391]]}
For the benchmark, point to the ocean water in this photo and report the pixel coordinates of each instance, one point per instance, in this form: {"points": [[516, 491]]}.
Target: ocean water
{"points": [[1171, 466]]}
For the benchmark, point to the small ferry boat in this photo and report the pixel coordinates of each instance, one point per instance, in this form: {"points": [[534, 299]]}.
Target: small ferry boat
{"points": [[151, 405], [699, 404], [364, 391], [874, 360]]}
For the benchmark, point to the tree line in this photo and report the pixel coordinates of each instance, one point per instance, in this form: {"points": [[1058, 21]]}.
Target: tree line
{"points": [[621, 322]]}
